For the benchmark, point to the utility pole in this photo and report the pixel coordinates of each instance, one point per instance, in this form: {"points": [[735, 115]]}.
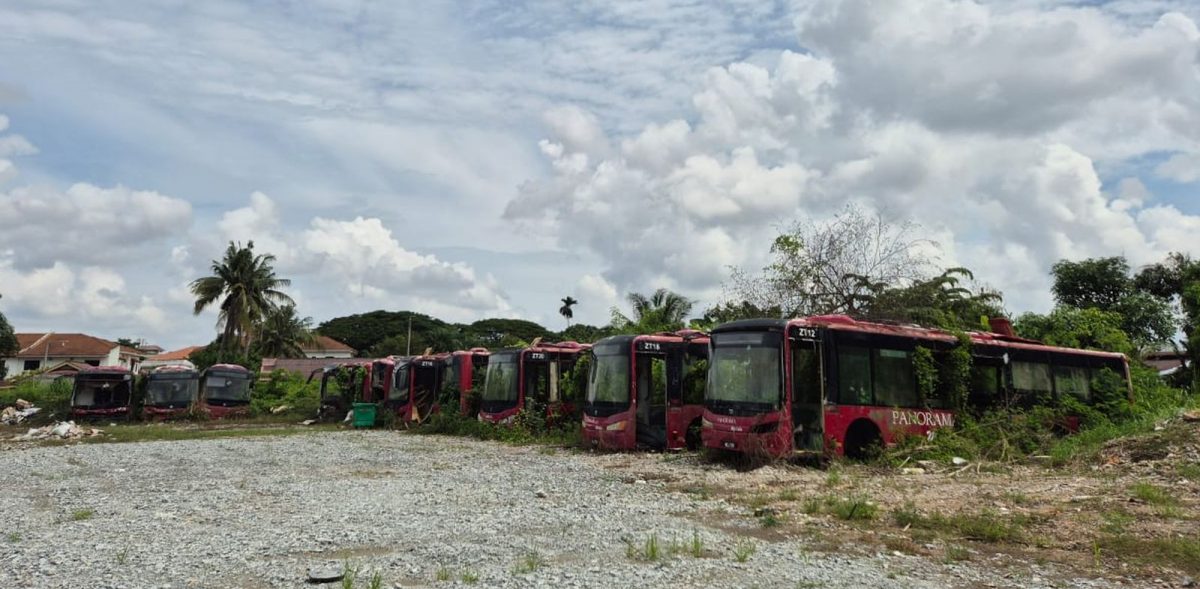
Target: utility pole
{"points": [[408, 340]]}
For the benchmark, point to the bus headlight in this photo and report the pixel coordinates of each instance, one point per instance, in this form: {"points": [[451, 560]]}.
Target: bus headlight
{"points": [[618, 426], [705, 424]]}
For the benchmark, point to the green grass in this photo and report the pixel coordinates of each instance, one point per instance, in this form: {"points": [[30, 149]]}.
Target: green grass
{"points": [[123, 556], [13, 537], [1116, 522], [443, 574], [376, 581], [789, 495], [1189, 471], [82, 514], [349, 575], [697, 546], [470, 577], [157, 433], [1182, 553], [851, 508], [649, 551], [769, 519], [743, 550], [984, 526], [1164, 503], [957, 554], [529, 562]]}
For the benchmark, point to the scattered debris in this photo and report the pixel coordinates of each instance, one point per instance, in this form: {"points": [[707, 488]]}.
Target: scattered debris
{"points": [[280, 409], [958, 461], [63, 430], [912, 470], [308, 422], [18, 413], [1191, 416]]}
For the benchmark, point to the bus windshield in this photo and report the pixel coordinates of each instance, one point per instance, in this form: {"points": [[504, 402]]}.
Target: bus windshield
{"points": [[500, 384], [400, 382], [227, 388], [744, 374], [608, 382], [177, 389]]}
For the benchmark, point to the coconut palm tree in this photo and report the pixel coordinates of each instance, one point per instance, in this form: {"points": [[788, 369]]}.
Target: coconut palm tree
{"points": [[565, 309], [662, 311], [283, 333], [247, 288]]}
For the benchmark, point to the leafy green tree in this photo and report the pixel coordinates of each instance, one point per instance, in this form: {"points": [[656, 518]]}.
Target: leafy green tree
{"points": [[730, 311], [947, 301], [584, 333], [497, 333], [367, 331], [566, 309], [1177, 279], [218, 353], [1106, 284], [284, 334], [8, 343], [1072, 327], [247, 288], [662, 311]]}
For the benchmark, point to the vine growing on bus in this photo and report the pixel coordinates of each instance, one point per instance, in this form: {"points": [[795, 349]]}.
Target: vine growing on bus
{"points": [[926, 372], [956, 373]]}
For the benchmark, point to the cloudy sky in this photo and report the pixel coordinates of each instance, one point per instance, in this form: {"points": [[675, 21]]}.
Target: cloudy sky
{"points": [[485, 158]]}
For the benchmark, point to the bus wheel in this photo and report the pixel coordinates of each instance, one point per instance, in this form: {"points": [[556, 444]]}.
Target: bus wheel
{"points": [[863, 440], [692, 438]]}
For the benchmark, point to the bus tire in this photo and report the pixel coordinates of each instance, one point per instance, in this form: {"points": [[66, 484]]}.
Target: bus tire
{"points": [[863, 440], [692, 438]]}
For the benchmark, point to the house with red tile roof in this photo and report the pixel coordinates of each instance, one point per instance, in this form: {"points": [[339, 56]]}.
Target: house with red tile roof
{"points": [[172, 358], [47, 351], [326, 347]]}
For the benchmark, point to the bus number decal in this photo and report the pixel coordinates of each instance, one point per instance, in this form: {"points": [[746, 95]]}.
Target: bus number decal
{"points": [[537, 356], [806, 332], [924, 418], [651, 346]]}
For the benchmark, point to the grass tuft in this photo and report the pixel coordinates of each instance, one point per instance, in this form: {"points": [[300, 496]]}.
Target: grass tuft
{"points": [[531, 561], [742, 551], [82, 514]]}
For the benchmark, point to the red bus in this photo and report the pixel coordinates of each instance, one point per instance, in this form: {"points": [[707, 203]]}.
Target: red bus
{"points": [[342, 385], [830, 384], [102, 392], [416, 382], [646, 391], [171, 391], [466, 371], [516, 379], [225, 391]]}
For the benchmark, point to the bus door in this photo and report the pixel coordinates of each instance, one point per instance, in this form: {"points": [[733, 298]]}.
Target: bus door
{"points": [[537, 378], [808, 391], [651, 415]]}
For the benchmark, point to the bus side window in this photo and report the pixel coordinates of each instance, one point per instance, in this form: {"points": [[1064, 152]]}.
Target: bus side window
{"points": [[1074, 381], [695, 374], [985, 386], [854, 375], [1031, 382], [895, 383]]}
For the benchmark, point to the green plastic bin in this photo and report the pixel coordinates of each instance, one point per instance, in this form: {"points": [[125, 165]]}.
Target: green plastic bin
{"points": [[364, 415]]}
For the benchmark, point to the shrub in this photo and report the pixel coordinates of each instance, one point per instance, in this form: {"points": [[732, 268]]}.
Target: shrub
{"points": [[286, 388]]}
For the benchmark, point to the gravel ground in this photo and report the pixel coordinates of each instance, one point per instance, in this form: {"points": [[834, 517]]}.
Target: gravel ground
{"points": [[260, 512]]}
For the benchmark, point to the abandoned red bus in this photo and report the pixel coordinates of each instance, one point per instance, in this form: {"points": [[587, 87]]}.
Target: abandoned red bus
{"points": [[646, 391], [466, 372], [342, 385], [833, 385], [102, 392], [415, 385], [171, 391], [225, 391], [518, 378], [380, 379]]}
